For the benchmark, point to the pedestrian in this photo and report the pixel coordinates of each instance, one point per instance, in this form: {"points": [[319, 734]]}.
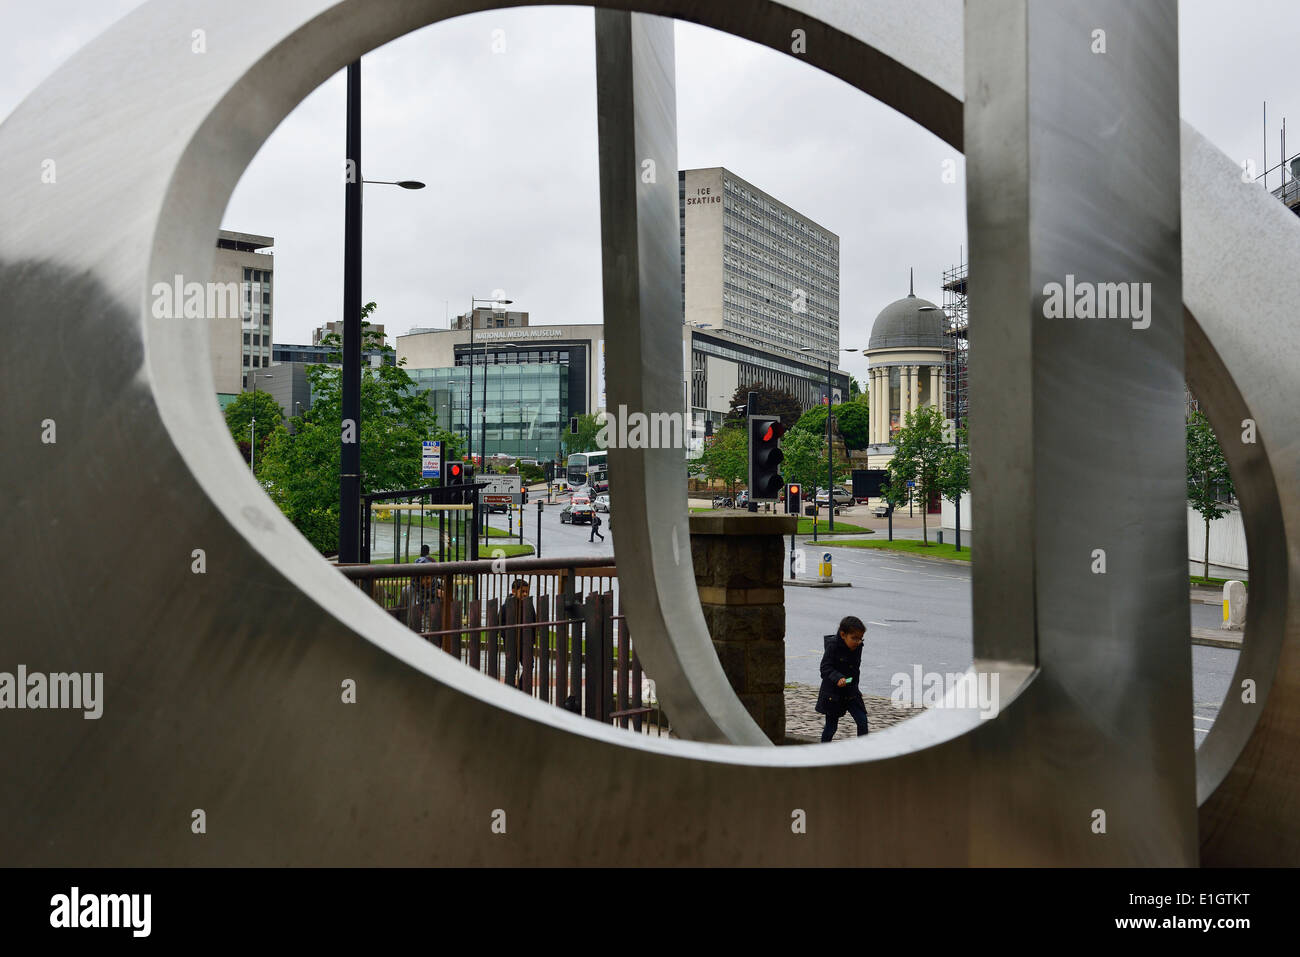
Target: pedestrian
{"points": [[841, 671], [424, 556], [595, 528], [518, 610]]}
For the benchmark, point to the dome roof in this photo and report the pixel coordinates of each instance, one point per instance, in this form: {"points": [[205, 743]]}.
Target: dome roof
{"points": [[910, 323]]}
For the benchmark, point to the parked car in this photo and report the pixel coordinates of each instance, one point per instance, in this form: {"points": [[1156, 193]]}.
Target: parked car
{"points": [[842, 496], [496, 507], [576, 514], [742, 500], [601, 504]]}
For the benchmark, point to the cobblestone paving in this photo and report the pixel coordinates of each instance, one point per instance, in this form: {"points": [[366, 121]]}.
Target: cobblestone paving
{"points": [[802, 721]]}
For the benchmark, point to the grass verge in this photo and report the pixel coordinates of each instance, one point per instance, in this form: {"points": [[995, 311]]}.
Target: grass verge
{"points": [[910, 546]]}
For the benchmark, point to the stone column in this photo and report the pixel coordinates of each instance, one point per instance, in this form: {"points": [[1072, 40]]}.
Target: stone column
{"points": [[935, 397], [740, 566], [873, 419], [882, 413], [904, 393]]}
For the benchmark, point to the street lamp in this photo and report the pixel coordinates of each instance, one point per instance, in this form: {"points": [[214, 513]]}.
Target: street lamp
{"points": [[830, 458], [252, 425], [470, 425], [350, 434]]}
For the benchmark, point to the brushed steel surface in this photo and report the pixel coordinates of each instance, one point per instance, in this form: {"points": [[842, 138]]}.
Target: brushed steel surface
{"points": [[222, 690]]}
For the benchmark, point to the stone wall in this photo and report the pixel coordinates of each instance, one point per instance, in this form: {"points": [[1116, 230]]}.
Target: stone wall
{"points": [[739, 566]]}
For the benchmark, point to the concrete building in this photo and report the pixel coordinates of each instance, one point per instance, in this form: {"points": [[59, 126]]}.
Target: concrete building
{"points": [[757, 269], [719, 363], [293, 352], [908, 355], [239, 344], [336, 328], [534, 378], [489, 318]]}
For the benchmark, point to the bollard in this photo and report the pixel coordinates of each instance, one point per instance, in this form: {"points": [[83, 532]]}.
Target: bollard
{"points": [[1234, 605], [824, 568]]}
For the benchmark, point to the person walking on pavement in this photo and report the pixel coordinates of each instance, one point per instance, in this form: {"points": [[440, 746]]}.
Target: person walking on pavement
{"points": [[595, 528], [841, 671]]}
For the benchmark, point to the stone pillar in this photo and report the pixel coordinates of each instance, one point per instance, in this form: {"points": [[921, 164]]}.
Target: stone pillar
{"points": [[740, 565], [873, 420], [904, 393], [936, 398]]}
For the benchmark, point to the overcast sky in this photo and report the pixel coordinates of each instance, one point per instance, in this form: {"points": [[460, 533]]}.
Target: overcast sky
{"points": [[507, 143]]}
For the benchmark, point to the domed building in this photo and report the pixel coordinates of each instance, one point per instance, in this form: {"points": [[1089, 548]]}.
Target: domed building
{"points": [[908, 353]]}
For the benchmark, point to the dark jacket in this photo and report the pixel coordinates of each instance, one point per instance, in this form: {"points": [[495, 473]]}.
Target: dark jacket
{"points": [[839, 662]]}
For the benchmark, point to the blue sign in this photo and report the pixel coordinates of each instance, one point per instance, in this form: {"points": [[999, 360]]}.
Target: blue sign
{"points": [[911, 483], [430, 459]]}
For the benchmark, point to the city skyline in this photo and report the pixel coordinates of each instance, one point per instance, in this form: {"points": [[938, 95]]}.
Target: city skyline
{"points": [[506, 141]]}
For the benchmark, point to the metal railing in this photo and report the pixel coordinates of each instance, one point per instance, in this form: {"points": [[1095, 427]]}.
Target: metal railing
{"points": [[567, 643]]}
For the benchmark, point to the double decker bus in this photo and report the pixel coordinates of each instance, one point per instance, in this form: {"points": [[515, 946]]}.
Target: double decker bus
{"points": [[588, 468]]}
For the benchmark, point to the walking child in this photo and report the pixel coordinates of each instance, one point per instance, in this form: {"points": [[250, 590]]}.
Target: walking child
{"points": [[841, 671]]}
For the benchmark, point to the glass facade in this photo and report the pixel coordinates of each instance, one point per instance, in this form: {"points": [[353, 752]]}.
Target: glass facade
{"points": [[527, 405], [256, 320]]}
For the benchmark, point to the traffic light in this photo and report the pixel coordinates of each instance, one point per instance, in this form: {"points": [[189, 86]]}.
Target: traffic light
{"points": [[765, 457], [793, 503], [456, 473]]}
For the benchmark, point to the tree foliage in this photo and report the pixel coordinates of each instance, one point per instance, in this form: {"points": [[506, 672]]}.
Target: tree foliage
{"points": [[1209, 483], [240, 414], [926, 455], [726, 456], [770, 402], [584, 440], [852, 420], [300, 469], [805, 460]]}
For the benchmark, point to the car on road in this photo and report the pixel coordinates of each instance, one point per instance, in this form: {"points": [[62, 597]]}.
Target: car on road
{"points": [[576, 513], [601, 504], [842, 496]]}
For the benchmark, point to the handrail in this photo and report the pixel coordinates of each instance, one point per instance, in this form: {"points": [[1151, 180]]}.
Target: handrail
{"points": [[482, 566]]}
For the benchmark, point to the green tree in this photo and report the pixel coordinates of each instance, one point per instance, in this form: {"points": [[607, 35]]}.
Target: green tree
{"points": [[240, 413], [804, 461], [726, 457], [584, 440], [770, 402], [1209, 482], [855, 388], [927, 455], [301, 468], [852, 420]]}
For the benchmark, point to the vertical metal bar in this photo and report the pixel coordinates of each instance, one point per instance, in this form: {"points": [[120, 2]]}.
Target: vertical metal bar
{"points": [[624, 689], [475, 637], [638, 697], [606, 656], [561, 653], [544, 649], [592, 669], [526, 638], [350, 462], [493, 640]]}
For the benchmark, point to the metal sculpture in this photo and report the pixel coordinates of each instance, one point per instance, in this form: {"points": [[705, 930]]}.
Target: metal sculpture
{"points": [[223, 640]]}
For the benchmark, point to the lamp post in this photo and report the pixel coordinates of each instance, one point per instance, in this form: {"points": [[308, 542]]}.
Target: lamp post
{"points": [[830, 452], [470, 424], [252, 425], [350, 433]]}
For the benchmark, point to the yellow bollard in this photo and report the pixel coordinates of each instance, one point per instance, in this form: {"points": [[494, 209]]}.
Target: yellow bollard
{"points": [[824, 567]]}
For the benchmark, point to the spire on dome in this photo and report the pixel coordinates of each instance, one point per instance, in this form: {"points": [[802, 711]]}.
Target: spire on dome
{"points": [[910, 289]]}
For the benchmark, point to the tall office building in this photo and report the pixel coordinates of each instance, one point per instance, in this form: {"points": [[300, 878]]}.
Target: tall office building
{"points": [[239, 345], [757, 269]]}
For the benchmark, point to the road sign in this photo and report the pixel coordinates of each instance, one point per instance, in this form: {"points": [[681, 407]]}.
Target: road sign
{"points": [[498, 499], [911, 483], [430, 456]]}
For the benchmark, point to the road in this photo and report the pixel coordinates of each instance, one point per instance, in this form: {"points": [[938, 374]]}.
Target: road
{"points": [[917, 611]]}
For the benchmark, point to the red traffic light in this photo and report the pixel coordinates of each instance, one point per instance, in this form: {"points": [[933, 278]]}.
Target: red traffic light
{"points": [[455, 470], [794, 489], [767, 436]]}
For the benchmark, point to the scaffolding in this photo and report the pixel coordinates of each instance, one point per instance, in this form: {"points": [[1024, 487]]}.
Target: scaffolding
{"points": [[956, 391]]}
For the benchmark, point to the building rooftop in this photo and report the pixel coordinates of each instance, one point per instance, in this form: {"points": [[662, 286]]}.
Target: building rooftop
{"points": [[910, 323]]}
